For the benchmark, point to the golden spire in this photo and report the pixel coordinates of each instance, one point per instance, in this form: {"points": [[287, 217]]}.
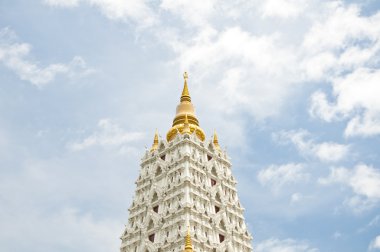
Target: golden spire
{"points": [[216, 141], [188, 245], [185, 109], [185, 92], [155, 142]]}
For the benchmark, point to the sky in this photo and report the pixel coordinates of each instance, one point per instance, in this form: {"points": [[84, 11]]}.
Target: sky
{"points": [[291, 86]]}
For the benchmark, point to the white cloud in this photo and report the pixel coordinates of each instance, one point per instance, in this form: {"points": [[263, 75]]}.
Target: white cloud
{"points": [[320, 107], [283, 8], [67, 228], [277, 176], [13, 55], [258, 72], [345, 27], [192, 12], [287, 245], [62, 3], [137, 11], [375, 244], [255, 71], [360, 204], [349, 60], [356, 99], [363, 180], [363, 125], [329, 151], [249, 72], [236, 45], [325, 151], [366, 181], [108, 134], [296, 197], [52, 201]]}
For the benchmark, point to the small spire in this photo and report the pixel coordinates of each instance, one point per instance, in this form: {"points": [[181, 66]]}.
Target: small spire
{"points": [[186, 126], [188, 245], [216, 141], [185, 92], [155, 142]]}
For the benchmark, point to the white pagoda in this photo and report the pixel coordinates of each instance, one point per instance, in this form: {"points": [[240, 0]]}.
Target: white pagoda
{"points": [[186, 191]]}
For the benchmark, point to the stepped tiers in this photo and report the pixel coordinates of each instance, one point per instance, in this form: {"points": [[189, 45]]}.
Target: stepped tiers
{"points": [[186, 198]]}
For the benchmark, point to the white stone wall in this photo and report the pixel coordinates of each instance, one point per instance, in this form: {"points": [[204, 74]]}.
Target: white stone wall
{"points": [[191, 184]]}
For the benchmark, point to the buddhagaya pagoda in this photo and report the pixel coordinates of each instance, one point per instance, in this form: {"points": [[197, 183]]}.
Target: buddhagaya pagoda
{"points": [[186, 198]]}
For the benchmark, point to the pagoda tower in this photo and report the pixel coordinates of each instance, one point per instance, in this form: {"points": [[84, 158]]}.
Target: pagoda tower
{"points": [[186, 198]]}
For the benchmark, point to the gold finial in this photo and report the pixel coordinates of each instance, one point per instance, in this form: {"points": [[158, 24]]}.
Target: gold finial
{"points": [[186, 126], [216, 141], [155, 142], [185, 92], [188, 245]]}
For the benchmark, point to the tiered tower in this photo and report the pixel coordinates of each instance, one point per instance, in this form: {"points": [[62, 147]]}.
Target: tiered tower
{"points": [[186, 192]]}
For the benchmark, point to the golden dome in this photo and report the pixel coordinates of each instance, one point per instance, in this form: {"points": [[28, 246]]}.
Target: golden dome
{"points": [[185, 112]]}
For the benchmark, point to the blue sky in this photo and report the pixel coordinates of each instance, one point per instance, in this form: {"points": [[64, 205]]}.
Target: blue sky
{"points": [[291, 86]]}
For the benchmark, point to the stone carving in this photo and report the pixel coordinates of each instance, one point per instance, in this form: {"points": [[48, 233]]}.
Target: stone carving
{"points": [[183, 183]]}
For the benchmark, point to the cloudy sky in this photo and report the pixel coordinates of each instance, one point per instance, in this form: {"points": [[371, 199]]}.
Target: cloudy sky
{"points": [[291, 86]]}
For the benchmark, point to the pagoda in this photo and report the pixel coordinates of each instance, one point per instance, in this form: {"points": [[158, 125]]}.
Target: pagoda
{"points": [[186, 198]]}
